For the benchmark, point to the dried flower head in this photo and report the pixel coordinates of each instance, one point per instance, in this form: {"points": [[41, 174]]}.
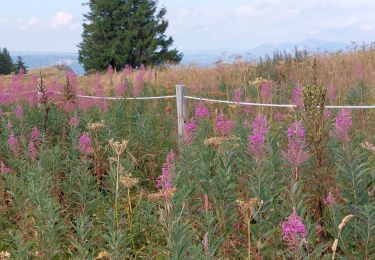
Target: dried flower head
{"points": [[4, 255], [345, 221], [96, 126], [368, 146], [118, 147], [103, 255], [128, 181]]}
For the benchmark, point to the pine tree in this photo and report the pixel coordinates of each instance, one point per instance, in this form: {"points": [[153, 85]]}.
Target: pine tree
{"points": [[20, 65], [125, 32], [6, 63]]}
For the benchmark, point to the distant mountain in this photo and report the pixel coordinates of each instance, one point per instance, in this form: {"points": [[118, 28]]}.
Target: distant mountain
{"points": [[47, 59], [201, 58], [311, 45]]}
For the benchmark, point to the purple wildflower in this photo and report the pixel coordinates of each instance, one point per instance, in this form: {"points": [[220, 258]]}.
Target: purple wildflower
{"points": [[13, 143], [224, 126], [330, 200], [293, 229], [74, 121], [326, 114], [201, 111], [256, 144], [297, 96], [343, 125], [265, 91], [32, 150], [18, 111], [279, 117], [4, 168], [237, 95], [9, 125], [331, 93], [260, 125], [85, 144], [35, 134], [165, 181], [189, 130], [296, 155], [110, 72], [138, 84]]}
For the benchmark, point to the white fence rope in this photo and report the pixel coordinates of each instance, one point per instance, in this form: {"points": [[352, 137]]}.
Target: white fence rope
{"points": [[209, 100], [272, 105]]}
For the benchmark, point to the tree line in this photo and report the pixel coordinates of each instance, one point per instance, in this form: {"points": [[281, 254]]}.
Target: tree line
{"points": [[7, 66]]}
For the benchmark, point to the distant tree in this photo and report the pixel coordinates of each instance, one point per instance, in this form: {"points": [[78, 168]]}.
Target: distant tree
{"points": [[6, 63], [121, 32], [19, 65]]}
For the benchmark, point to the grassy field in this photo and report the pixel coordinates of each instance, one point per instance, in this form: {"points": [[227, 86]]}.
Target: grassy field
{"points": [[98, 179]]}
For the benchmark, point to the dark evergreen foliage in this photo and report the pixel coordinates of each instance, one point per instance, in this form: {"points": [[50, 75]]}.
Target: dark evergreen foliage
{"points": [[125, 32]]}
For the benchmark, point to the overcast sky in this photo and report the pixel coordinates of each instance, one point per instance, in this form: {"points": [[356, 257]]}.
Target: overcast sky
{"points": [[41, 25]]}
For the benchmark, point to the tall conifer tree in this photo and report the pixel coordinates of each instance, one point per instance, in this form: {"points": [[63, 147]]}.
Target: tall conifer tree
{"points": [[125, 32]]}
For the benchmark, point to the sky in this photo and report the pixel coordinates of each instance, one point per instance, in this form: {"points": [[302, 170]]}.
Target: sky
{"points": [[197, 25]]}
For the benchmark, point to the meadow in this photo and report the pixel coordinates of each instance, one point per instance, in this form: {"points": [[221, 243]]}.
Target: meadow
{"points": [[84, 178]]}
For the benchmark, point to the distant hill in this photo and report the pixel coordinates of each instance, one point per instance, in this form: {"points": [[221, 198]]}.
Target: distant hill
{"points": [[201, 58]]}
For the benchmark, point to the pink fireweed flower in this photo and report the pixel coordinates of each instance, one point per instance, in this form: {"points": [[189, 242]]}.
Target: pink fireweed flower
{"points": [[256, 144], [121, 88], [74, 121], [165, 181], [138, 84], [85, 144], [223, 126], [279, 117], [13, 143], [110, 72], [201, 111], [35, 134], [296, 155], [189, 130], [32, 150], [265, 91], [331, 93], [297, 96], [246, 123], [237, 95], [18, 111], [260, 125], [9, 125], [293, 229], [330, 200], [326, 114], [343, 125], [4, 168]]}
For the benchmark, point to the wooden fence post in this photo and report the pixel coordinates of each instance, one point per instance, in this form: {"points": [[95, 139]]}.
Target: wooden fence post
{"points": [[181, 108]]}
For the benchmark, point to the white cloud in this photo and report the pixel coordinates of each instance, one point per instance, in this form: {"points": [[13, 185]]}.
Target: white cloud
{"points": [[367, 27], [33, 22], [61, 19], [246, 10]]}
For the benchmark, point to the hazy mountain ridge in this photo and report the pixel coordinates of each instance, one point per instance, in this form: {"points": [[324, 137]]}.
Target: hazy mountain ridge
{"points": [[202, 58]]}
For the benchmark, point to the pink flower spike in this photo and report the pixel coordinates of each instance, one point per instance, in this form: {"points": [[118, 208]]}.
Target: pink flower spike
{"points": [[35, 134], [343, 125], [85, 144], [293, 229], [201, 111]]}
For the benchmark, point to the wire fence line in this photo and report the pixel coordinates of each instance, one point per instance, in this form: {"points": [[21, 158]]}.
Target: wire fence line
{"points": [[207, 100]]}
